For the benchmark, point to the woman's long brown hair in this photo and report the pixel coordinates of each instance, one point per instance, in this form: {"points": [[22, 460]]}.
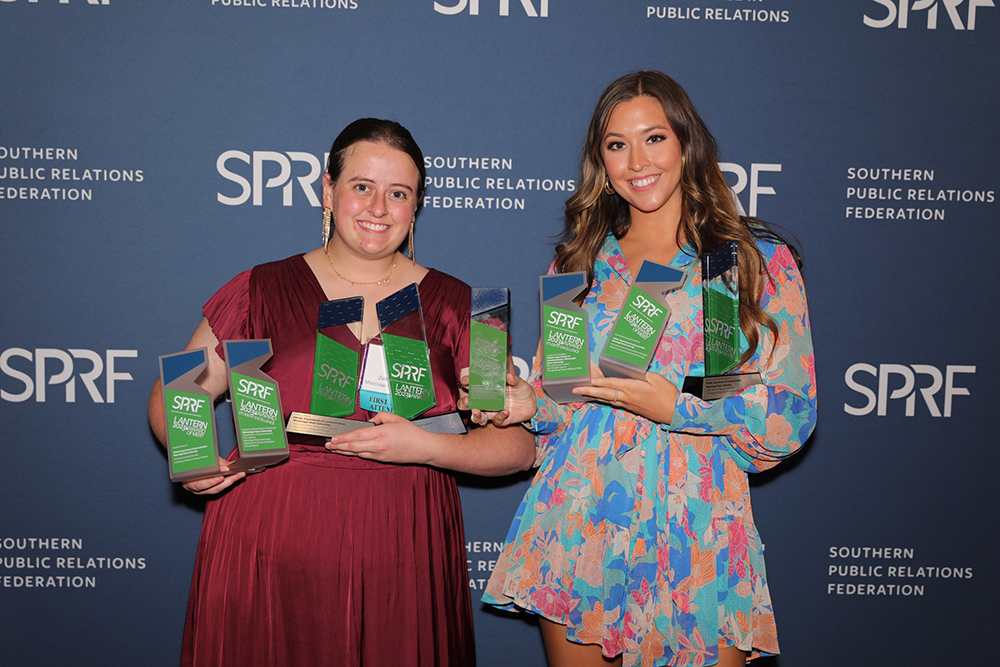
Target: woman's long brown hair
{"points": [[709, 216]]}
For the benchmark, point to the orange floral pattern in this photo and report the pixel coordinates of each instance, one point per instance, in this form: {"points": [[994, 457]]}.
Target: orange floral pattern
{"points": [[639, 536]]}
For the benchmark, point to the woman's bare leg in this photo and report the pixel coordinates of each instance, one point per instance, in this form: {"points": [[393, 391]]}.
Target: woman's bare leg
{"points": [[730, 656], [561, 652]]}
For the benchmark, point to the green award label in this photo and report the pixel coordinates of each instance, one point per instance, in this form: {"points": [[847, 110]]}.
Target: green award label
{"points": [[410, 380], [189, 414], [407, 357], [336, 361], [722, 332], [640, 322], [258, 413], [487, 367], [565, 346], [190, 432], [637, 329], [565, 335], [335, 379]]}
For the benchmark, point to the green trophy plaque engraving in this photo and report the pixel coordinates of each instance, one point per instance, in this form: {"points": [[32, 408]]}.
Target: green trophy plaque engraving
{"points": [[488, 343], [721, 328], [565, 336], [257, 415], [406, 355], [189, 413], [640, 322]]}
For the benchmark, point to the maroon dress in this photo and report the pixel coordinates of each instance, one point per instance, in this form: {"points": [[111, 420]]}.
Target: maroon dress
{"points": [[328, 559]]}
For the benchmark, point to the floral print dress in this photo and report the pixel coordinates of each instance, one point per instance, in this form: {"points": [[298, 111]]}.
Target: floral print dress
{"points": [[637, 535]]}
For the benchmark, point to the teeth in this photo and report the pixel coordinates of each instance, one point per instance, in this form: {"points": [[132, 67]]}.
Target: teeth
{"points": [[643, 182], [375, 227]]}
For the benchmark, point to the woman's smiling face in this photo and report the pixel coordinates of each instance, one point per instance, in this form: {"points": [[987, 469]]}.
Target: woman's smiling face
{"points": [[642, 156], [374, 199]]}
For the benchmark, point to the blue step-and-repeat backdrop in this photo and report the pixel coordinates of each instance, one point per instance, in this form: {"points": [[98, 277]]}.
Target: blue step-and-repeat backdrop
{"points": [[151, 149]]}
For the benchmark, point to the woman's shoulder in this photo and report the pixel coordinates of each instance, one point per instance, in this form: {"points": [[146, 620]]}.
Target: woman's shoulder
{"points": [[294, 263], [444, 297], [440, 281], [772, 246], [279, 272]]}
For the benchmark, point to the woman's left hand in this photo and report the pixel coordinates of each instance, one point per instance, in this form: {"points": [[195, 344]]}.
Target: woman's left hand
{"points": [[393, 439], [653, 398]]}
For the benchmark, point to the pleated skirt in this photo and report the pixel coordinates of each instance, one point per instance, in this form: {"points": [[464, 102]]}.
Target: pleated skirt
{"points": [[331, 560]]}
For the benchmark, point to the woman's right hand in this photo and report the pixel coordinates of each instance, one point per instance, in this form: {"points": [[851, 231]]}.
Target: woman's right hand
{"points": [[520, 401], [207, 486], [521, 405]]}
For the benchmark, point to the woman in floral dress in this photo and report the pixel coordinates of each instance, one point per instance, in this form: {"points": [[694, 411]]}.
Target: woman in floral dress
{"points": [[635, 543]]}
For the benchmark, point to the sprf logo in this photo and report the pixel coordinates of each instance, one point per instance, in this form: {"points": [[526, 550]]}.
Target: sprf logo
{"points": [[188, 404], [564, 320], [646, 306], [328, 372], [896, 382], [260, 171], [532, 8], [961, 14], [255, 389], [408, 372], [753, 181], [45, 367], [716, 326]]}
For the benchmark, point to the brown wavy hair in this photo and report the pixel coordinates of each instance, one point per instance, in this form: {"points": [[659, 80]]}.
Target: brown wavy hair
{"points": [[709, 216]]}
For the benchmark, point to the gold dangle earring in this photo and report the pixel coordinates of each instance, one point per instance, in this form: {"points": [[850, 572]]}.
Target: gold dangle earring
{"points": [[410, 243], [327, 219], [607, 186]]}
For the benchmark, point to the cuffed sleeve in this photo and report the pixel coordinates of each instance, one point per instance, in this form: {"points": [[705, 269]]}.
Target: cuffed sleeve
{"points": [[768, 422]]}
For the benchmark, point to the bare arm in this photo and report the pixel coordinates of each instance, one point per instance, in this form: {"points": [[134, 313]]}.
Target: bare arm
{"points": [[489, 450]]}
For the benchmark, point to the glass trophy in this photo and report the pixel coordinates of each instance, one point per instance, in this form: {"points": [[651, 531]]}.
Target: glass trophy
{"points": [[338, 355], [640, 322], [407, 357], [189, 415], [257, 415], [721, 328], [565, 336], [335, 372], [488, 343]]}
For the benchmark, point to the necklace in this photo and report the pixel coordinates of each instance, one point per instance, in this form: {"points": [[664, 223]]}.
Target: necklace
{"points": [[383, 281]]}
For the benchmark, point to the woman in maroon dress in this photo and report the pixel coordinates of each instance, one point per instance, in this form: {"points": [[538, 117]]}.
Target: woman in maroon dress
{"points": [[337, 556]]}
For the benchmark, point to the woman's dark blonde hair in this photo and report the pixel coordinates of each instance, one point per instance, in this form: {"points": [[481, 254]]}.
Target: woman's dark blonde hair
{"points": [[709, 216]]}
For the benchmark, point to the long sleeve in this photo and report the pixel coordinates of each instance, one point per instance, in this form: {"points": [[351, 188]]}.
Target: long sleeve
{"points": [[768, 422]]}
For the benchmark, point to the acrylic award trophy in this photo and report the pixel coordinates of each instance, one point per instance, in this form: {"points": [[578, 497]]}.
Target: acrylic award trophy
{"points": [[407, 357], [640, 322], [260, 423], [488, 348], [335, 372], [721, 329], [338, 354], [189, 413], [565, 336]]}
